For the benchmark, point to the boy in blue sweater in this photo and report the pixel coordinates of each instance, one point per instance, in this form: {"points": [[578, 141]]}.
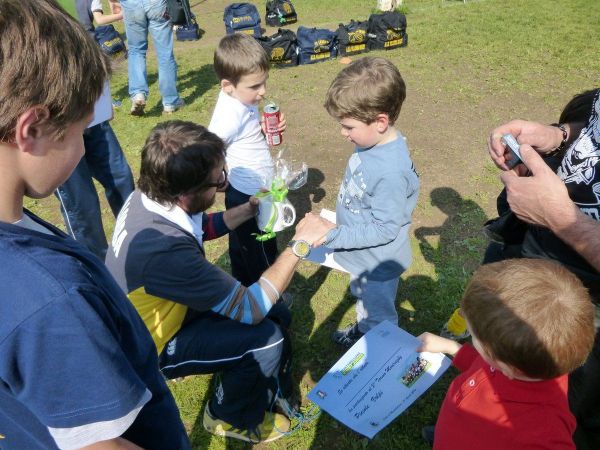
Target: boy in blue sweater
{"points": [[378, 193]]}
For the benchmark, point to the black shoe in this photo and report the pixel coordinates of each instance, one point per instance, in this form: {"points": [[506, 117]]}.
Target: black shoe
{"points": [[348, 336], [428, 433]]}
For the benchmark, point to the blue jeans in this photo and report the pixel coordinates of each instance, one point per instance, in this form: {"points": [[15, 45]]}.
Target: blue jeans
{"points": [[250, 360], [141, 16], [103, 160], [376, 301]]}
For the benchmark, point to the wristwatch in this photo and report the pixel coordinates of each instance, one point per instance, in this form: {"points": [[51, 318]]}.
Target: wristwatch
{"points": [[301, 248]]}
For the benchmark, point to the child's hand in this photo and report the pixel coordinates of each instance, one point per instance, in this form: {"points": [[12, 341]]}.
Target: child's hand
{"points": [[436, 344], [280, 127], [115, 6], [282, 123], [325, 225]]}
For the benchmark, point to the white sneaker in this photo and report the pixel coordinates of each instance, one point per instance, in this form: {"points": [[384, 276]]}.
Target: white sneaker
{"points": [[138, 103], [170, 109]]}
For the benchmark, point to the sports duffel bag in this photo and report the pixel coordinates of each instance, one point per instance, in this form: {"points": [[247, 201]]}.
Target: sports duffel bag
{"points": [[280, 12], [242, 18], [352, 38], [281, 47], [316, 44], [387, 31]]}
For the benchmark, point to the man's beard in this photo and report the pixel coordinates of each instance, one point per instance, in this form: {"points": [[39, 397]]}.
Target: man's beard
{"points": [[198, 205]]}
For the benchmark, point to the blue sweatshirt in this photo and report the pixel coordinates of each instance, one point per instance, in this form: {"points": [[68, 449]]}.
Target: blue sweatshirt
{"points": [[373, 211]]}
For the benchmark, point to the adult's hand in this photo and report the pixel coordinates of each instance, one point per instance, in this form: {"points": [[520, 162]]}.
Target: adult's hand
{"points": [[312, 228], [542, 198], [543, 138]]}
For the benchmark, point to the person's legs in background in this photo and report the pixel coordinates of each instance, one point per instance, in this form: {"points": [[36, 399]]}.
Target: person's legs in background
{"points": [[110, 167], [136, 29], [162, 36], [80, 207]]}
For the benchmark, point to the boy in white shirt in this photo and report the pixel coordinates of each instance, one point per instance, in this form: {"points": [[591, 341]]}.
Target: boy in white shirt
{"points": [[243, 68]]}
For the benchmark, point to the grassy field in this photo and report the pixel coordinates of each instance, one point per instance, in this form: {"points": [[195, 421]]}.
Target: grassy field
{"points": [[468, 67]]}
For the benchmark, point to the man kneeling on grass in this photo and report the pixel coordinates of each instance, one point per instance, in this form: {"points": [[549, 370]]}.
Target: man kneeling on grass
{"points": [[203, 320]]}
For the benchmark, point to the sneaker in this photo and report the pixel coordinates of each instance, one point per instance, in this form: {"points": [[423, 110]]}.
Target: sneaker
{"points": [[428, 434], [446, 333], [455, 328], [170, 109], [348, 336], [138, 103], [290, 409], [286, 299], [273, 427]]}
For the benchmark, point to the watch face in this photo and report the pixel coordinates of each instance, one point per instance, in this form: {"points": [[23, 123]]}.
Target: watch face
{"points": [[301, 249]]}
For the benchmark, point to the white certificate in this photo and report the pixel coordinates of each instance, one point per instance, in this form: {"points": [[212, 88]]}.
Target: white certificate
{"points": [[377, 379]]}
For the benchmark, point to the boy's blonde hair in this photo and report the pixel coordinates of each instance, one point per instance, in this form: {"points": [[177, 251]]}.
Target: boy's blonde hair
{"points": [[46, 59], [367, 87], [237, 55], [531, 314]]}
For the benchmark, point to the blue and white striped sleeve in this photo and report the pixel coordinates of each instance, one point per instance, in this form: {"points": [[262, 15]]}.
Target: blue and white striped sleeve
{"points": [[248, 305]]}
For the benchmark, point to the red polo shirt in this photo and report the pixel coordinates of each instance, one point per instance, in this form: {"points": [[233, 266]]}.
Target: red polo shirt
{"points": [[485, 410]]}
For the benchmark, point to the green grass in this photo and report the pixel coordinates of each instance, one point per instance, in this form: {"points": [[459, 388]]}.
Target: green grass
{"points": [[468, 67]]}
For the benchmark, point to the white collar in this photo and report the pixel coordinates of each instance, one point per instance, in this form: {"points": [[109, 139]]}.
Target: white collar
{"points": [[252, 109], [191, 224]]}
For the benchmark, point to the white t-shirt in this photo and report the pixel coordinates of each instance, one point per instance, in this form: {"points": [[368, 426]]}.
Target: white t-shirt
{"points": [[248, 158], [96, 5]]}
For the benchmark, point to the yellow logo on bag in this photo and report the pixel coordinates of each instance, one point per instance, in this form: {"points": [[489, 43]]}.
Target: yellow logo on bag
{"points": [[393, 43], [355, 48], [320, 45], [115, 41], [358, 36], [392, 34], [323, 55], [277, 54], [242, 19], [287, 8]]}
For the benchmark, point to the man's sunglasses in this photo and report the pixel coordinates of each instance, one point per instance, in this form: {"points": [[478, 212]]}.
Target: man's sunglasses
{"points": [[219, 184]]}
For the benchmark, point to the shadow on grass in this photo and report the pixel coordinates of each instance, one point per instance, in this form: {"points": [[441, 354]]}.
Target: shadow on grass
{"points": [[461, 244], [194, 82], [311, 193]]}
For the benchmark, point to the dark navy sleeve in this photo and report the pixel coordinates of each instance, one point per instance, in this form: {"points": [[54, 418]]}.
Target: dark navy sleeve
{"points": [[65, 364], [182, 274]]}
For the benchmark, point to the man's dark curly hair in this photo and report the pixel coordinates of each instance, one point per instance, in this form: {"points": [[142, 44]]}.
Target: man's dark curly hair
{"points": [[177, 157]]}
